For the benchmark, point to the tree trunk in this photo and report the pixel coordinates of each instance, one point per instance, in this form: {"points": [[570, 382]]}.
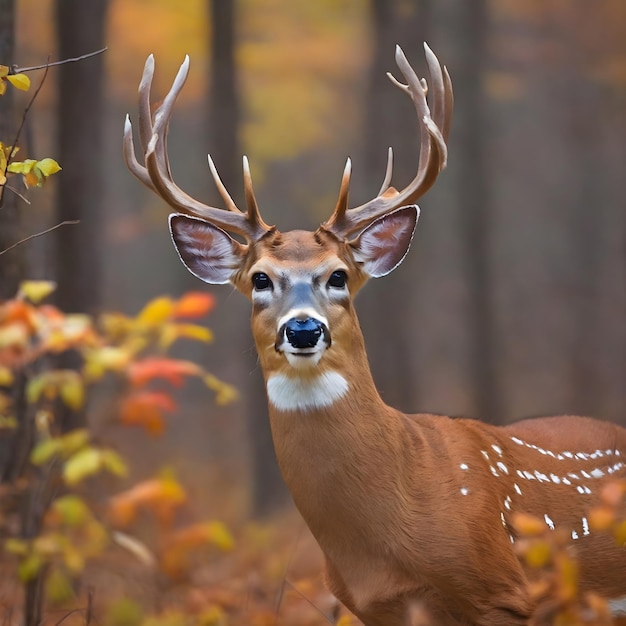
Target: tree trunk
{"points": [[11, 263], [268, 489], [391, 122], [80, 29]]}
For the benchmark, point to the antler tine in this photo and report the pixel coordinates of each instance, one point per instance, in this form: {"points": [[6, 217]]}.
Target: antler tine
{"points": [[434, 128], [157, 175], [253, 214], [230, 203], [341, 207]]}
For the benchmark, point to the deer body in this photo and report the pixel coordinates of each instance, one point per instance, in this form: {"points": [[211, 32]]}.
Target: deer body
{"points": [[411, 511]]}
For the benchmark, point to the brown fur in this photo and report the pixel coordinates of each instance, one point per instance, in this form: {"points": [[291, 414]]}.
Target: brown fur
{"points": [[380, 490]]}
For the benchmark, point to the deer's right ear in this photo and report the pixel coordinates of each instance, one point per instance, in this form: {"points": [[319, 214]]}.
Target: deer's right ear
{"points": [[207, 251]]}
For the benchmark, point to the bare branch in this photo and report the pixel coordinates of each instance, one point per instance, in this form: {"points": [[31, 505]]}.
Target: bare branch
{"points": [[20, 70], [43, 232]]}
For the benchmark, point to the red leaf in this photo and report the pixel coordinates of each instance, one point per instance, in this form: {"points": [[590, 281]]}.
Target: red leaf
{"points": [[194, 304], [145, 409], [172, 370]]}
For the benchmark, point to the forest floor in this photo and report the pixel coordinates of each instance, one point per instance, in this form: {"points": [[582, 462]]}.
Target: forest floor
{"points": [[273, 576]]}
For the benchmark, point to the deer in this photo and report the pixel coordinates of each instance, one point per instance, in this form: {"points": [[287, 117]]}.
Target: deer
{"points": [[409, 510]]}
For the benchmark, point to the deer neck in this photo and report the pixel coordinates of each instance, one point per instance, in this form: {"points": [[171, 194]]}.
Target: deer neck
{"points": [[332, 435]]}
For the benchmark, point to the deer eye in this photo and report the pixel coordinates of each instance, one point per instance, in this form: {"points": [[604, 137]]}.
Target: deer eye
{"points": [[338, 279], [261, 281]]}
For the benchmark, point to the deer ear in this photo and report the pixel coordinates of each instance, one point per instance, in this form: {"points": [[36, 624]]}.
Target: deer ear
{"points": [[382, 246], [207, 251]]}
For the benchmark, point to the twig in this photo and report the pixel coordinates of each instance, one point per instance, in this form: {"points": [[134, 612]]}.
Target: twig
{"points": [[311, 603], [72, 612], [18, 194], [43, 232], [19, 70]]}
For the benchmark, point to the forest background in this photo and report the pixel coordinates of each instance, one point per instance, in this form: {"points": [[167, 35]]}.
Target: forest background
{"points": [[512, 301]]}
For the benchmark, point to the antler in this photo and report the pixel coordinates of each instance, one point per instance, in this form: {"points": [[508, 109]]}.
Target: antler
{"points": [[434, 130], [156, 173]]}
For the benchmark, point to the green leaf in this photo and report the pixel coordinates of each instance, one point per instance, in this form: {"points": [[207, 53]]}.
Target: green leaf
{"points": [[48, 167], [72, 509], [16, 546], [29, 567], [114, 463], [81, 465], [45, 450]]}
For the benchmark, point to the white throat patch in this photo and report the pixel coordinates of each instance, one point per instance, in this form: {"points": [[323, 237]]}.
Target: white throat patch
{"points": [[292, 393]]}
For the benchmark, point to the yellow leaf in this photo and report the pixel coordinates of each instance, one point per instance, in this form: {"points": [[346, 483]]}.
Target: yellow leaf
{"points": [[44, 451], [19, 81], [16, 546], [619, 532], [114, 463], [73, 392], [47, 545], [29, 567], [6, 376], [8, 421], [224, 393], [22, 167], [538, 554], [4, 71], [219, 536], [48, 167], [81, 465], [35, 388], [14, 335], [3, 88], [58, 587], [73, 559], [156, 312], [72, 510], [36, 290], [74, 440]]}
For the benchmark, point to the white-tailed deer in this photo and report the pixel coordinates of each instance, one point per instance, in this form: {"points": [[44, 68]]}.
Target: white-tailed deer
{"points": [[408, 509]]}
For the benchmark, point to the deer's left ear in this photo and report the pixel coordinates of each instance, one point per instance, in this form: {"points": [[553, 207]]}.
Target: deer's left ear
{"points": [[382, 246]]}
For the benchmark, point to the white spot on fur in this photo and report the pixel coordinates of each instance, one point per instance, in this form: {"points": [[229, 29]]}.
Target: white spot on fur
{"points": [[549, 522], [574, 535], [464, 466], [585, 526], [502, 467], [517, 488], [464, 491], [288, 393], [496, 449]]}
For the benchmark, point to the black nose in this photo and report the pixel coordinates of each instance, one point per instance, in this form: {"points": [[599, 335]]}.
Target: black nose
{"points": [[303, 333]]}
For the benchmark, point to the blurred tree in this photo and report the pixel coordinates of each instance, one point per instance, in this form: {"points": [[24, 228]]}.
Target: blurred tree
{"points": [[80, 29], [391, 122], [465, 34], [268, 490], [11, 263]]}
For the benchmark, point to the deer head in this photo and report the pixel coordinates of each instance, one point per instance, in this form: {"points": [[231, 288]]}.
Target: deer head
{"points": [[301, 284]]}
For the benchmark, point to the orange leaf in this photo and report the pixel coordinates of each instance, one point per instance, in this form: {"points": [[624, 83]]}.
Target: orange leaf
{"points": [[159, 495], [528, 525], [601, 518], [194, 304], [146, 409], [172, 370], [613, 492]]}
